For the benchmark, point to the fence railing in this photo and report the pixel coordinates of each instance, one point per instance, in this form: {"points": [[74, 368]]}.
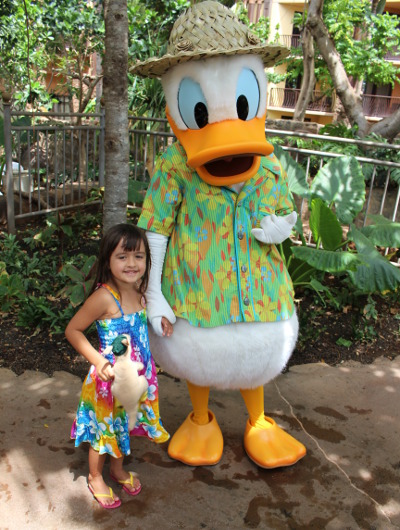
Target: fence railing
{"points": [[58, 163], [52, 161]]}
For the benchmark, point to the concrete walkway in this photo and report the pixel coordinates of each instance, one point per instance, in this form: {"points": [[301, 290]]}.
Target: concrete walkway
{"points": [[348, 417]]}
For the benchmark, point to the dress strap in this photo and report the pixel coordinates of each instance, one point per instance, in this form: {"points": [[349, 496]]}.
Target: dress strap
{"points": [[114, 294]]}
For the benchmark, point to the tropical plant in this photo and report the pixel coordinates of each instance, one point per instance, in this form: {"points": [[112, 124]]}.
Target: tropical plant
{"points": [[39, 291], [80, 282], [335, 199]]}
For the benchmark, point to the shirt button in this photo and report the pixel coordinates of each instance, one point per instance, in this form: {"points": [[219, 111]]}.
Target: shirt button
{"points": [[243, 268], [240, 235], [246, 301]]}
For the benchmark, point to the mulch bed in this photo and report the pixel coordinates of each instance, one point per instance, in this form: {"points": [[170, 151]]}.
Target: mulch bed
{"points": [[320, 331]]}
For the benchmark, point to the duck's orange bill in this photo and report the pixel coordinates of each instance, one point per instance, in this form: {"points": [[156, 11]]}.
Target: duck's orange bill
{"points": [[225, 152]]}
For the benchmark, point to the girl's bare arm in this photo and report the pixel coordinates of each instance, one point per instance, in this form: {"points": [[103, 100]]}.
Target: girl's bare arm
{"points": [[95, 307]]}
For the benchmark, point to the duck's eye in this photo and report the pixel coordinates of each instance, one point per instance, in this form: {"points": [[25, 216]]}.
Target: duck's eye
{"points": [[247, 95], [192, 104]]}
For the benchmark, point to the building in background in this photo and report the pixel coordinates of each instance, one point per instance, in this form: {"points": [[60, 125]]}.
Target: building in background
{"points": [[378, 101]]}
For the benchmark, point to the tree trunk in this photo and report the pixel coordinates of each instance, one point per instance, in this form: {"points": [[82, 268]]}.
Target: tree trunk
{"points": [[351, 103], [308, 81], [115, 86], [389, 128]]}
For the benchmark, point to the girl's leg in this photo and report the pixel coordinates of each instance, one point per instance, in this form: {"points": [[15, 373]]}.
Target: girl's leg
{"points": [[95, 479], [119, 474]]}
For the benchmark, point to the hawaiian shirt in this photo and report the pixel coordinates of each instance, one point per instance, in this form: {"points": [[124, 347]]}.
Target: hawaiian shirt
{"points": [[215, 272]]}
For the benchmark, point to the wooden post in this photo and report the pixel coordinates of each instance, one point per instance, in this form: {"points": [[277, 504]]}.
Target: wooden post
{"points": [[9, 184]]}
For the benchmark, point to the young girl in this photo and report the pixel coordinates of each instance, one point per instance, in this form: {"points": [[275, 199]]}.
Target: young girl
{"points": [[117, 305]]}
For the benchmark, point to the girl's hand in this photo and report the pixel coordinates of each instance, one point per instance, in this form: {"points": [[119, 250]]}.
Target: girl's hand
{"points": [[167, 327], [105, 370]]}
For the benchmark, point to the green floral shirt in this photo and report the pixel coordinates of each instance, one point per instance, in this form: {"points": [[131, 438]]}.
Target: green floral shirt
{"points": [[215, 272]]}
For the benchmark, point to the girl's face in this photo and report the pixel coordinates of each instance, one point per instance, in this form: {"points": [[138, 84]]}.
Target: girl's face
{"points": [[128, 266]]}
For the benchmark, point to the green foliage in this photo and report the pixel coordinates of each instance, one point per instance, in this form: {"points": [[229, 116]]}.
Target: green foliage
{"points": [[362, 39], [340, 182], [37, 36], [41, 293], [150, 24], [136, 193], [335, 198], [37, 312], [78, 290], [60, 231]]}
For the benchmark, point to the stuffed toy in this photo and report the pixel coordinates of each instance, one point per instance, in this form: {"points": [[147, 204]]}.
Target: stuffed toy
{"points": [[128, 387], [216, 207]]}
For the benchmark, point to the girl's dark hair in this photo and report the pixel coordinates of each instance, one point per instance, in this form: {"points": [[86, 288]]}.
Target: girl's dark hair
{"points": [[131, 237]]}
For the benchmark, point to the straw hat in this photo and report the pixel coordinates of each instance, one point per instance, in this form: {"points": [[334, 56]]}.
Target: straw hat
{"points": [[206, 30]]}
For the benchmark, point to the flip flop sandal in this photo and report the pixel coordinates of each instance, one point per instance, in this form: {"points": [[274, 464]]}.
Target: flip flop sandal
{"points": [[99, 496], [129, 482]]}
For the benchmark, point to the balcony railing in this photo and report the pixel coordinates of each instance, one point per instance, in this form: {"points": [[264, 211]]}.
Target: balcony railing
{"points": [[379, 106], [373, 106], [294, 41], [288, 97], [393, 55], [290, 41]]}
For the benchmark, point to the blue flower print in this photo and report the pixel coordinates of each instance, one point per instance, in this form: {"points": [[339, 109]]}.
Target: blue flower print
{"points": [[233, 263], [111, 335], [108, 449], [275, 191], [143, 336], [96, 428], [152, 431], [266, 277], [124, 443], [130, 319], [201, 234], [149, 412], [109, 421], [149, 368], [80, 430], [171, 197], [150, 393], [135, 355], [177, 280], [118, 425]]}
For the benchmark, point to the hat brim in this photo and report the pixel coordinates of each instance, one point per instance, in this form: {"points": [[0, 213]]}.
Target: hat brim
{"points": [[156, 67]]}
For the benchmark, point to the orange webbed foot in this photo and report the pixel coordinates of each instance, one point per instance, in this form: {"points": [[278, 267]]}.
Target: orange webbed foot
{"points": [[269, 446], [197, 445]]}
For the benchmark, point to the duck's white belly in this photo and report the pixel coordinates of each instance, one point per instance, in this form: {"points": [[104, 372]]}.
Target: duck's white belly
{"points": [[236, 356]]}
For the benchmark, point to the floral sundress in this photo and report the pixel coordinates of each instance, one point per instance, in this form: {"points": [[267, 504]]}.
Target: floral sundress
{"points": [[100, 419]]}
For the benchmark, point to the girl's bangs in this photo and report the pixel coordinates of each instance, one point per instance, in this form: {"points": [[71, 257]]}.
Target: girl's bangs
{"points": [[131, 242]]}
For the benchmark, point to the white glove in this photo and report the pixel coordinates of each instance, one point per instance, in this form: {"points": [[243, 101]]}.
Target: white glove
{"points": [[157, 306], [275, 229]]}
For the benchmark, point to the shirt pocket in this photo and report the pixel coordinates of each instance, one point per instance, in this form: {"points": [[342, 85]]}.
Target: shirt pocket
{"points": [[267, 206]]}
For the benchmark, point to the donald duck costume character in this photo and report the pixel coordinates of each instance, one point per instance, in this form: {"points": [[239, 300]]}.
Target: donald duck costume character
{"points": [[217, 204]]}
